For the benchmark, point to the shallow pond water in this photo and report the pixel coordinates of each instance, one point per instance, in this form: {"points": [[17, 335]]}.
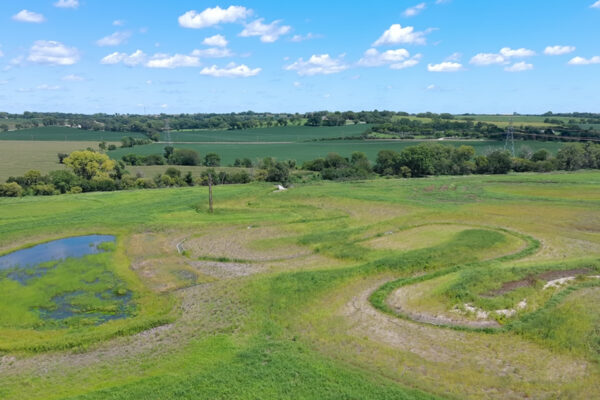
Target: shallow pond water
{"points": [[92, 295], [73, 247]]}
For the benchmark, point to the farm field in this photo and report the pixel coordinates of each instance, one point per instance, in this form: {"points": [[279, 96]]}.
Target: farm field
{"points": [[278, 134], [55, 133], [20, 156], [517, 120], [311, 150], [446, 287]]}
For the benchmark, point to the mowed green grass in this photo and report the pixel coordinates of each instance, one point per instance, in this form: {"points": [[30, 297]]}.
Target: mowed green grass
{"points": [[284, 332], [57, 133], [277, 134], [310, 150], [20, 156]]}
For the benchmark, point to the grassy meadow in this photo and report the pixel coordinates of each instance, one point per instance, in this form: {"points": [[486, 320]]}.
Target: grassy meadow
{"points": [[20, 156], [303, 293]]}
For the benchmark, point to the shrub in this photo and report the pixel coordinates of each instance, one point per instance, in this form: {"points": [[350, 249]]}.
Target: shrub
{"points": [[12, 189], [240, 177], [104, 185], [499, 162], [279, 172], [63, 180], [154, 159], [212, 160], [184, 157], [47, 189], [142, 183]]}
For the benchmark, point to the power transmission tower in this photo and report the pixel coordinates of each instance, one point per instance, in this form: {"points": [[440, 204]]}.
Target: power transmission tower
{"points": [[509, 143]]}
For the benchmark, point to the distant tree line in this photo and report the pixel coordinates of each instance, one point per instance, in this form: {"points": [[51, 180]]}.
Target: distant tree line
{"points": [[90, 171], [428, 159], [396, 123]]}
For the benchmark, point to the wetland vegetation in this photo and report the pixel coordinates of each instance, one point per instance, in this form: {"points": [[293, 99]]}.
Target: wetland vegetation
{"points": [[373, 288]]}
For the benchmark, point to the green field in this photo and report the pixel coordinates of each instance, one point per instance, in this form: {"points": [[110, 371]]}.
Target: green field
{"points": [[56, 133], [311, 150], [20, 156], [278, 134], [517, 120], [367, 289]]}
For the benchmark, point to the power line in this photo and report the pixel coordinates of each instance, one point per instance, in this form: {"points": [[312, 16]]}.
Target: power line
{"points": [[509, 143]]}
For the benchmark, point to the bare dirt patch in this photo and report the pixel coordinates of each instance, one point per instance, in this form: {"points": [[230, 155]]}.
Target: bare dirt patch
{"points": [[532, 279], [245, 243], [399, 301], [226, 270]]}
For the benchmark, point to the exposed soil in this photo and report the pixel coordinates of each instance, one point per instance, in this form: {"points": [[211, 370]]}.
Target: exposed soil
{"points": [[532, 279], [226, 270], [397, 301]]}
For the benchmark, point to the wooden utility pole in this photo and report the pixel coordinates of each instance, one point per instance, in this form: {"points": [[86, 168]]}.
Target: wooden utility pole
{"points": [[210, 199]]}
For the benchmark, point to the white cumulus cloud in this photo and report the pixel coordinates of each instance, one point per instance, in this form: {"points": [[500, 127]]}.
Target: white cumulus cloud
{"points": [[502, 57], [52, 53], [113, 40], [28, 16], [172, 61], [396, 34], [133, 59], [412, 11], [321, 64], [596, 4], [118, 22], [519, 67], [213, 16], [446, 66], [411, 62], [164, 60], [558, 50], [487, 59], [373, 58], [67, 3], [584, 61], [216, 40], [516, 53], [396, 59], [232, 70], [302, 38], [268, 33]]}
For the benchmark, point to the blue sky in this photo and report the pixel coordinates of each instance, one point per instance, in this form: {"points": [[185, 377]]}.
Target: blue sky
{"points": [[187, 56]]}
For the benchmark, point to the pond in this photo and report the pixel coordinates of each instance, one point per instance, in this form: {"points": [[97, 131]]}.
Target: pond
{"points": [[73, 247], [67, 281]]}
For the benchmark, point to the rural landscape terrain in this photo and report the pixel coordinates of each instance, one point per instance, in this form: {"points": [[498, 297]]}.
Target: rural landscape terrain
{"points": [[344, 285], [202, 201]]}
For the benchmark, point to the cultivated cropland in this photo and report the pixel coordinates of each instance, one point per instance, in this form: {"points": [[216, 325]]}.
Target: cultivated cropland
{"points": [[374, 259]]}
